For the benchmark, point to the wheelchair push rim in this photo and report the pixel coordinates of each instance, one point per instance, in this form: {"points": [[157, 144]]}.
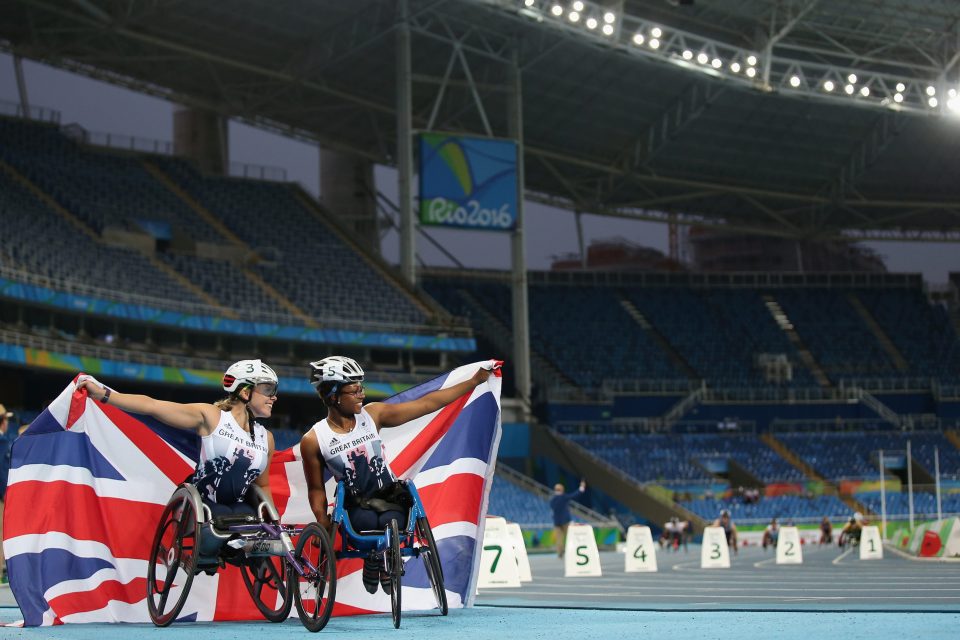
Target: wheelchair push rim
{"points": [[174, 549], [431, 561], [394, 565], [314, 554], [274, 574]]}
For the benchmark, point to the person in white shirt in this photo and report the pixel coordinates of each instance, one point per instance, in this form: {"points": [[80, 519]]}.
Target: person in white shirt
{"points": [[348, 443], [235, 449]]}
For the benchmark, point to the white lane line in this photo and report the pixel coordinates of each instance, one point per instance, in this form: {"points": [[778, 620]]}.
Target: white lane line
{"points": [[752, 588], [579, 594], [763, 563], [842, 556]]}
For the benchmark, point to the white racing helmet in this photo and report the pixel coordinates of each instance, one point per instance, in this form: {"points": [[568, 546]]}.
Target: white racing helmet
{"points": [[337, 369], [244, 372]]}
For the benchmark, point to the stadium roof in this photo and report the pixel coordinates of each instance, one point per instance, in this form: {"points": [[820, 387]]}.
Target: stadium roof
{"points": [[611, 124]]}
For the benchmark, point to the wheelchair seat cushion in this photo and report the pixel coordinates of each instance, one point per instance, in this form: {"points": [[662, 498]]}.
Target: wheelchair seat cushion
{"points": [[223, 523], [393, 497], [226, 515]]}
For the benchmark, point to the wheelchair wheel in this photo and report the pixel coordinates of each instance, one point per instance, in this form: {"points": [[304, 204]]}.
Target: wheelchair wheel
{"points": [[315, 592], [173, 558], [394, 565], [431, 560], [274, 574]]}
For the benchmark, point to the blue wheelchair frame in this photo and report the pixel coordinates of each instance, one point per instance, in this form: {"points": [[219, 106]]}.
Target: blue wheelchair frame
{"points": [[360, 545], [394, 546]]}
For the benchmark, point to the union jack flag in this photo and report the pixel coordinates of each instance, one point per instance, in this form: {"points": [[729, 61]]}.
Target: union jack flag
{"points": [[88, 483]]}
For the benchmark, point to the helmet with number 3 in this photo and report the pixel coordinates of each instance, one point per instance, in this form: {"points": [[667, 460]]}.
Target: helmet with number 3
{"points": [[338, 369], [246, 372]]}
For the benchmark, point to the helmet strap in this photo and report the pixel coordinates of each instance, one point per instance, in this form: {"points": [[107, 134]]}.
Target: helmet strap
{"points": [[246, 406]]}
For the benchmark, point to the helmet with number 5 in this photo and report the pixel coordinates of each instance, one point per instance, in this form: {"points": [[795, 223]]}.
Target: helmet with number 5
{"points": [[337, 369], [246, 372]]}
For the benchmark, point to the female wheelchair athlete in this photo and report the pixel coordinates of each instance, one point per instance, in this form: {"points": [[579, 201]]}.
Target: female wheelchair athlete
{"points": [[397, 541], [190, 540]]}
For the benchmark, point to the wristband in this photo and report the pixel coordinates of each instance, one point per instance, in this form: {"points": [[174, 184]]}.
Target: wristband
{"points": [[106, 395]]}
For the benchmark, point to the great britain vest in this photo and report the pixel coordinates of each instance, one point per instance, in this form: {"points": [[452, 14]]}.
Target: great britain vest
{"points": [[230, 460]]}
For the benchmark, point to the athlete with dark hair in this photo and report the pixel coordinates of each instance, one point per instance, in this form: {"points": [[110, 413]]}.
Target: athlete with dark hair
{"points": [[348, 443]]}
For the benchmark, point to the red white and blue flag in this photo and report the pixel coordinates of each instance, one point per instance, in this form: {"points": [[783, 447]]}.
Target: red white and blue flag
{"points": [[88, 483]]}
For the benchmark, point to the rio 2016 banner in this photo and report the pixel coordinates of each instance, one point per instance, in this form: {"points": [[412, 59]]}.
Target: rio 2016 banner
{"points": [[468, 182]]}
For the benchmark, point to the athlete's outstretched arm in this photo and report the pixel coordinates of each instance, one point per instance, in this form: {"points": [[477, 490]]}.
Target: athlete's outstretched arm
{"points": [[393, 415], [181, 416]]}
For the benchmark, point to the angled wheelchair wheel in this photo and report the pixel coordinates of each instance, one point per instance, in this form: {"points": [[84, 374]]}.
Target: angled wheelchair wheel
{"points": [[394, 565], [270, 583], [316, 591], [431, 560], [173, 557]]}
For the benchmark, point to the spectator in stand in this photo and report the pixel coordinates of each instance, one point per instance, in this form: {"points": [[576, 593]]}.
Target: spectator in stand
{"points": [[560, 503], [771, 534], [7, 436], [826, 531]]}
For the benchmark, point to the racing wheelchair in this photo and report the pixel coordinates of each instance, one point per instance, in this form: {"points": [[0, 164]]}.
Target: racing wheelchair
{"points": [[394, 543], [276, 571]]}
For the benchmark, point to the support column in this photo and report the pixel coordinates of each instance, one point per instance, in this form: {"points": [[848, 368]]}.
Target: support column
{"points": [[347, 188], [405, 147], [21, 86], [201, 136], [521, 320], [578, 216]]}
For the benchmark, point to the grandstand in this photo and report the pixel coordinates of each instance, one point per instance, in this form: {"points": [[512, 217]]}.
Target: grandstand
{"points": [[668, 390]]}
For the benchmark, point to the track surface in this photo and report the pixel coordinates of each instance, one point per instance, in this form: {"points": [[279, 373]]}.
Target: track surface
{"points": [[830, 595], [827, 580]]}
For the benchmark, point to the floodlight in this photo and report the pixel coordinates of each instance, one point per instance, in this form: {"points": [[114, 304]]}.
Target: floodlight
{"points": [[795, 81], [607, 29], [752, 60], [638, 38], [898, 98], [751, 72], [901, 87], [931, 91], [735, 67], [703, 58], [848, 89], [591, 23], [717, 63], [865, 91], [852, 78], [573, 16], [656, 32], [556, 10], [933, 103], [578, 6], [529, 3], [654, 43], [828, 85], [609, 17]]}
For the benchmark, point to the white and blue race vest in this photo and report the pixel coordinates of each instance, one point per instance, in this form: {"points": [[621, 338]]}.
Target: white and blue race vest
{"points": [[356, 457], [230, 460]]}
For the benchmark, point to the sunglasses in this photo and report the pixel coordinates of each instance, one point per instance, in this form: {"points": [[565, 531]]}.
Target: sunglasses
{"points": [[268, 389], [356, 393]]}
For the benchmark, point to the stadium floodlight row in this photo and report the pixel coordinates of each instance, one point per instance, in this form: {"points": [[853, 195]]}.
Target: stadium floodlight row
{"points": [[919, 89]]}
